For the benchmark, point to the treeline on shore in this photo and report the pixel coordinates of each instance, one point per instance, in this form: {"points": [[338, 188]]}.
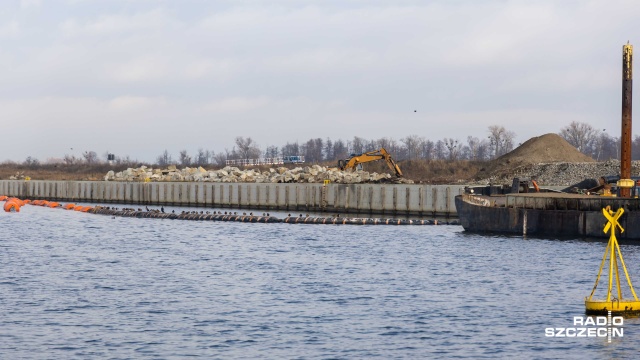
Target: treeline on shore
{"points": [[422, 159]]}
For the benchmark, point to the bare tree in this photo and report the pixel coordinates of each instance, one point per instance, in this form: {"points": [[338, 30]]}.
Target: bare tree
{"points": [[220, 159], [164, 159], [291, 149], [358, 145], [271, 151], [90, 157], [70, 159], [428, 148], [328, 150], [312, 150], [247, 148], [610, 147], [31, 162], [340, 150], [500, 140], [477, 149], [412, 144], [453, 147], [202, 157], [439, 150], [484, 151], [581, 135], [472, 146], [185, 159]]}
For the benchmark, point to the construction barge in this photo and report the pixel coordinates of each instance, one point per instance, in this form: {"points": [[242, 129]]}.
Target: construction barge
{"points": [[563, 214], [546, 214]]}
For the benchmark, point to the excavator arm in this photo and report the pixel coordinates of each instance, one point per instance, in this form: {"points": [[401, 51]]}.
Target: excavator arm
{"points": [[382, 154]]}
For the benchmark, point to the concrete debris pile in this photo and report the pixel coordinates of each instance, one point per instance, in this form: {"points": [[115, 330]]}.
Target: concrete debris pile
{"points": [[18, 176], [562, 173], [308, 174]]}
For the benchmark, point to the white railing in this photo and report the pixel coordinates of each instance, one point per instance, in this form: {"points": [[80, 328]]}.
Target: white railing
{"points": [[255, 162], [297, 159]]}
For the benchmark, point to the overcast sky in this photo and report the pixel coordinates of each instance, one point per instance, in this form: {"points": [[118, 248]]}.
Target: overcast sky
{"points": [[138, 77]]}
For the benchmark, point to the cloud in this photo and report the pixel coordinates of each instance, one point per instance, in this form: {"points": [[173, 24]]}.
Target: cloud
{"points": [[151, 75], [118, 24], [236, 104], [9, 29], [27, 4], [128, 103]]}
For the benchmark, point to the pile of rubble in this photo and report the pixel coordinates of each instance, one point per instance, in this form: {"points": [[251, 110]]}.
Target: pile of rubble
{"points": [[19, 176], [308, 174], [552, 161], [562, 173]]}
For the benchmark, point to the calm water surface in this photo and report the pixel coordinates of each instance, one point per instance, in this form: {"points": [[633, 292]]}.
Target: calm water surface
{"points": [[76, 285]]}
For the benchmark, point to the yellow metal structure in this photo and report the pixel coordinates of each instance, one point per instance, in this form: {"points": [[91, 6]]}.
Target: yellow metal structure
{"points": [[382, 154], [612, 303], [626, 183]]}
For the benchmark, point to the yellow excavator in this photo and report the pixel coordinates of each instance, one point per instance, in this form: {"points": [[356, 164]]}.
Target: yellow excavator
{"points": [[382, 154]]}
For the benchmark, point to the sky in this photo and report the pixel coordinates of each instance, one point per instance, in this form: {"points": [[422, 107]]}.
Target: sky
{"points": [[137, 77]]}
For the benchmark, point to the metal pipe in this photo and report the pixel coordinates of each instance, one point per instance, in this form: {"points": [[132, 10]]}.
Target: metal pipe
{"points": [[625, 139]]}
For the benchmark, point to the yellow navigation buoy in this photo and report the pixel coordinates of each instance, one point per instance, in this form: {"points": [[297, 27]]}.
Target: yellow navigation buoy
{"points": [[617, 305]]}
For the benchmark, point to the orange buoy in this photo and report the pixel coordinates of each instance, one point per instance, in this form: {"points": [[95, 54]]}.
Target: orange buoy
{"points": [[86, 208], [27, 201], [3, 198], [16, 200], [11, 206], [78, 208], [69, 206], [53, 204]]}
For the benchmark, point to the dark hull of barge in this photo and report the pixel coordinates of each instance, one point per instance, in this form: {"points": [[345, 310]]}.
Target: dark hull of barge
{"points": [[546, 214]]}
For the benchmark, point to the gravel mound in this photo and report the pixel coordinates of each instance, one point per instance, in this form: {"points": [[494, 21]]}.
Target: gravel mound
{"points": [[545, 149], [562, 173], [551, 160]]}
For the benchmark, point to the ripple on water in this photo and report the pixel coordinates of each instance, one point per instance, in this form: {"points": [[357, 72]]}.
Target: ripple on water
{"points": [[75, 285]]}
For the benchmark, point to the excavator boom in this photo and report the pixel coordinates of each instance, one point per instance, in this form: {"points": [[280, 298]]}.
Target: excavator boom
{"points": [[381, 154]]}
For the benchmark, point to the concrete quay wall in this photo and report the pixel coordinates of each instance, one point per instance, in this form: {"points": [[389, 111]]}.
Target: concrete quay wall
{"points": [[396, 199]]}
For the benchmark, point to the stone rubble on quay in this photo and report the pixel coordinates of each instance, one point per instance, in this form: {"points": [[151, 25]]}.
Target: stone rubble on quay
{"points": [[229, 174], [562, 173]]}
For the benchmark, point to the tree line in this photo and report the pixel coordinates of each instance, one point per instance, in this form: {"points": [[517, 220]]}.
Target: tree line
{"points": [[317, 150], [595, 143]]}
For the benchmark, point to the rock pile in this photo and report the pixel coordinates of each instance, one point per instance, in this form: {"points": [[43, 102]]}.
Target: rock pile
{"points": [[562, 173], [19, 176], [551, 160], [544, 149], [308, 174]]}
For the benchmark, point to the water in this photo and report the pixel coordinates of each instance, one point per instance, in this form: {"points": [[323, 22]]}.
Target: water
{"points": [[77, 285]]}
